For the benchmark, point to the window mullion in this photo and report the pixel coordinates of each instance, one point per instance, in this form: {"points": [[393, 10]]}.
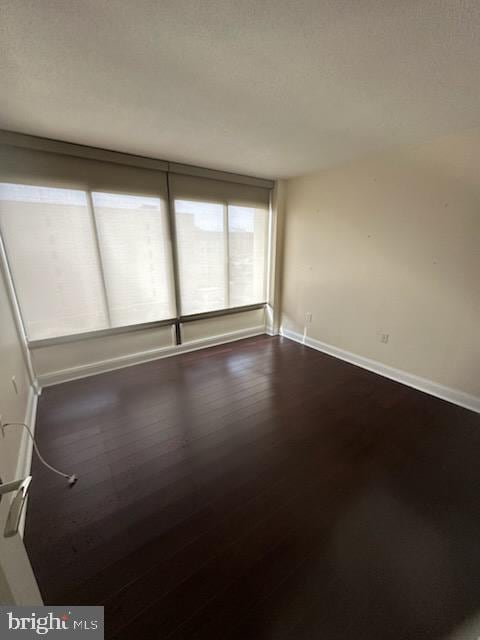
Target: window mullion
{"points": [[174, 261], [99, 257], [227, 254]]}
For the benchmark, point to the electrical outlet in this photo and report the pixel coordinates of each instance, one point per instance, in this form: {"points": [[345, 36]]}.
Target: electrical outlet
{"points": [[308, 317], [385, 337]]}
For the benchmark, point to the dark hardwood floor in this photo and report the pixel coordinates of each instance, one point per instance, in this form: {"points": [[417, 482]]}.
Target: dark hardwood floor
{"points": [[258, 490]]}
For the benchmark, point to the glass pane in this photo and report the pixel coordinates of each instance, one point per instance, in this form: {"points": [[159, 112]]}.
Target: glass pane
{"points": [[50, 245], [133, 237], [201, 255], [247, 228]]}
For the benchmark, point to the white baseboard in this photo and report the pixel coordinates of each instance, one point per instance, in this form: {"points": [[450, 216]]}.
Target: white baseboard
{"points": [[271, 332], [103, 366], [25, 453], [422, 384]]}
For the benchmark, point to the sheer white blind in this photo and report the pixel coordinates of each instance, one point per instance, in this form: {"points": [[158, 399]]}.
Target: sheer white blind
{"points": [[247, 243], [201, 249], [87, 254], [50, 244], [78, 268], [222, 255], [135, 252]]}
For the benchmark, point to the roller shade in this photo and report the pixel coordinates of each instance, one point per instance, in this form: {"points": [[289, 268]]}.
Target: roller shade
{"points": [[91, 246], [28, 166], [84, 261], [222, 243], [204, 189], [135, 254], [50, 243]]}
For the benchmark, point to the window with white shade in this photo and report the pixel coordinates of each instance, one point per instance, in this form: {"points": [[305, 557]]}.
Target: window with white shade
{"points": [[135, 254], [201, 248], [222, 255], [96, 257], [247, 245], [81, 265], [50, 244]]}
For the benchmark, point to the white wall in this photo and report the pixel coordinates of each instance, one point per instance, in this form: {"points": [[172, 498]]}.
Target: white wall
{"points": [[68, 359], [17, 583], [391, 244], [221, 325], [13, 406]]}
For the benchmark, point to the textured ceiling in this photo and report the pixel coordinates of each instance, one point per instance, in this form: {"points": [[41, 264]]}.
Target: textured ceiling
{"points": [[271, 88]]}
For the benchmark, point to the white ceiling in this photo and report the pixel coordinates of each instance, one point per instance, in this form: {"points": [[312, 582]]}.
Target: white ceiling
{"points": [[271, 88]]}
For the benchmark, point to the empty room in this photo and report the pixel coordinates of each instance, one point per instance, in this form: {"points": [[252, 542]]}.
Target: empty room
{"points": [[239, 319]]}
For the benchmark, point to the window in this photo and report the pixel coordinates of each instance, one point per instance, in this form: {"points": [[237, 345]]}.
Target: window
{"points": [[50, 244], [78, 268], [222, 251], [202, 254], [92, 257], [135, 252], [247, 242]]}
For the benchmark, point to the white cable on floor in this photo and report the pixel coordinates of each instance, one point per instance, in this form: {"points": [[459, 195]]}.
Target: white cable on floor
{"points": [[71, 478]]}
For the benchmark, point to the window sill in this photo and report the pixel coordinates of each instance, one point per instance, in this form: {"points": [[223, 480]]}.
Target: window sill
{"points": [[77, 337]]}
